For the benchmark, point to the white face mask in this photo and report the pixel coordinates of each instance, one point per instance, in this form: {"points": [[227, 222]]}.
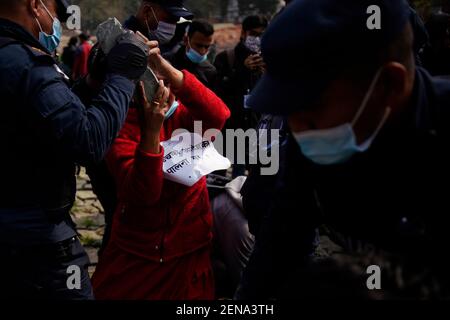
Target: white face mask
{"points": [[339, 144], [253, 43], [164, 32]]}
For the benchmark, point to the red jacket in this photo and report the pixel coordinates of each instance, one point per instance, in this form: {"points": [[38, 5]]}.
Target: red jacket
{"points": [[158, 221], [80, 65]]}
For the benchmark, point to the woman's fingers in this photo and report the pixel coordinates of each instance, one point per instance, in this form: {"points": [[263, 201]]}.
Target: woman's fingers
{"points": [[142, 96], [142, 36], [160, 102], [164, 97], [158, 96], [151, 44], [169, 102], [154, 55]]}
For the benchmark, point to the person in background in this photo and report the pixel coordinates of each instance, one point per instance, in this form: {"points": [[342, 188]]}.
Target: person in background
{"points": [[161, 239], [193, 56], [177, 41], [68, 56], [157, 20], [238, 71], [80, 65]]}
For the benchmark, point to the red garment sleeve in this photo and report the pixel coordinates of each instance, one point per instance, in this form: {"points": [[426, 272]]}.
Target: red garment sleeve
{"points": [[198, 103], [138, 175], [76, 66]]}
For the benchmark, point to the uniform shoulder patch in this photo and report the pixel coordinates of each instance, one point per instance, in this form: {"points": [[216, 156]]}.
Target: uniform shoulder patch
{"points": [[39, 55], [38, 51], [58, 69]]}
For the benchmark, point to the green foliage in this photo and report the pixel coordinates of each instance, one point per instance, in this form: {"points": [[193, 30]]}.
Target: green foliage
{"points": [[87, 223], [89, 241]]}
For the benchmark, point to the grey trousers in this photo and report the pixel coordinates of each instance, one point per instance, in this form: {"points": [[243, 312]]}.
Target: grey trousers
{"points": [[231, 235]]}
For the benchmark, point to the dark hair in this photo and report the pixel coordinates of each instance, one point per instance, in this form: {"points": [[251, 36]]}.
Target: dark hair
{"points": [[253, 22], [202, 26], [83, 37], [399, 49], [73, 41]]}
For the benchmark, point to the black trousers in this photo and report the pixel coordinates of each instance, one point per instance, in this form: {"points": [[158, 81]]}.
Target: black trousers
{"points": [[49, 272], [104, 187]]}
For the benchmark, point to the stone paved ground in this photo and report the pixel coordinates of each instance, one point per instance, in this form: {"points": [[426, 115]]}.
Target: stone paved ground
{"points": [[88, 214]]}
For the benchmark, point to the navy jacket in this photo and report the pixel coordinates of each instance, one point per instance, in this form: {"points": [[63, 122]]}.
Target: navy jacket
{"points": [[393, 197], [45, 130]]}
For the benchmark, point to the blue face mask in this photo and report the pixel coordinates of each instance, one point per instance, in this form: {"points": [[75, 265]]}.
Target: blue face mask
{"points": [[196, 57], [164, 33], [339, 144], [172, 110], [50, 42]]}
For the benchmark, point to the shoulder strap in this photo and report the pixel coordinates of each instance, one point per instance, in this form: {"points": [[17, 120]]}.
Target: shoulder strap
{"points": [[6, 41]]}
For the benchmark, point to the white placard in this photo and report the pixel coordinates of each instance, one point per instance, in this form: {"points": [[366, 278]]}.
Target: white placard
{"points": [[188, 158]]}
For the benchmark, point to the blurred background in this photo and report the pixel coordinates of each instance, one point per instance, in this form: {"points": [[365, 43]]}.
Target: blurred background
{"points": [[217, 11], [226, 15]]}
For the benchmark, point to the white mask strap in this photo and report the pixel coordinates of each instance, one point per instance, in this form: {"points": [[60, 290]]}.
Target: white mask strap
{"points": [[367, 97], [39, 24], [51, 16], [383, 122], [154, 15]]}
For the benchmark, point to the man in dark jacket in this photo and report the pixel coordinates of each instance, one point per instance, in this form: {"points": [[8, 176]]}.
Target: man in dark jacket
{"points": [[367, 160], [193, 56], [45, 131], [68, 56], [239, 70], [157, 19]]}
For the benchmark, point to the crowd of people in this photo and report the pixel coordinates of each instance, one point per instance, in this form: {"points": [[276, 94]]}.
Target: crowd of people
{"points": [[74, 59], [361, 115]]}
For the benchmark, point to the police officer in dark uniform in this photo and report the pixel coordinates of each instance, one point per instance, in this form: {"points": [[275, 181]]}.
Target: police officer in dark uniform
{"points": [[45, 131], [158, 20], [366, 163]]}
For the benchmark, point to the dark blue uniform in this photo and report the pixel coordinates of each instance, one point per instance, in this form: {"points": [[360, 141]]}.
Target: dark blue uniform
{"points": [[392, 199], [45, 131]]}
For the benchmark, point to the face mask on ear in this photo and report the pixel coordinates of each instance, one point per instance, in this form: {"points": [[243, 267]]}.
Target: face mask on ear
{"points": [[164, 32], [50, 42], [339, 144], [196, 57]]}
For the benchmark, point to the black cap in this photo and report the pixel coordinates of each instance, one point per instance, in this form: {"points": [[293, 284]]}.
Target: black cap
{"points": [[62, 9], [175, 7], [311, 42]]}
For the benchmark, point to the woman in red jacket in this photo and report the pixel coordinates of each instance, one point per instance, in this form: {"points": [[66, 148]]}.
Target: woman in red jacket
{"points": [[160, 244]]}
